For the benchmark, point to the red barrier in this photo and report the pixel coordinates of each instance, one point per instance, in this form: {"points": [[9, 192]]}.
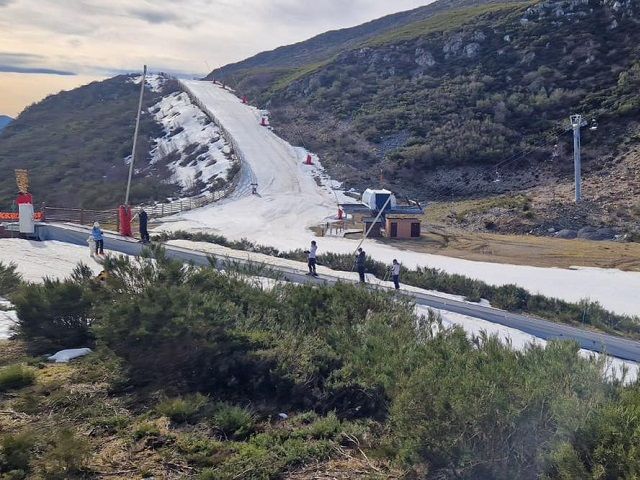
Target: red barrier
{"points": [[309, 160], [24, 198], [124, 214]]}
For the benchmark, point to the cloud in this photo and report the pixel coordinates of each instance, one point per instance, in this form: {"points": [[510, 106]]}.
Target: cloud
{"points": [[93, 36], [154, 16], [27, 63], [17, 69]]}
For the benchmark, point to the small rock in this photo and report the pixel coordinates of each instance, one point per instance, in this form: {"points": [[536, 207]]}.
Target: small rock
{"points": [[567, 234]]}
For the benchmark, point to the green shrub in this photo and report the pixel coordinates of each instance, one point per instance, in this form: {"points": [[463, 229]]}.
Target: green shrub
{"points": [[10, 279], [16, 376], [492, 403], [16, 452], [54, 315], [145, 429], [69, 453], [233, 421], [182, 409]]}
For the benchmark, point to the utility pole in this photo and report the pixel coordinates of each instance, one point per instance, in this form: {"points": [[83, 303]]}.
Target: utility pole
{"points": [[576, 123], [135, 135]]}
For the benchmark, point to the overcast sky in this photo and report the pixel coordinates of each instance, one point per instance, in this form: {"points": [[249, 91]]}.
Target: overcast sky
{"points": [[66, 42]]}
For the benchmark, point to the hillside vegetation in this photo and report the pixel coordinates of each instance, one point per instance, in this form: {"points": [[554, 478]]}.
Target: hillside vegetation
{"points": [[75, 143], [206, 375], [470, 101]]}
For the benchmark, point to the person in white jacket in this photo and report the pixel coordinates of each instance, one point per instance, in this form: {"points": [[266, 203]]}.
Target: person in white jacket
{"points": [[395, 273]]}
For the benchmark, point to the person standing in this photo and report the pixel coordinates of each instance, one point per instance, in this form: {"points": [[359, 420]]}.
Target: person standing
{"points": [[395, 273], [143, 219], [360, 263], [312, 258], [98, 237]]}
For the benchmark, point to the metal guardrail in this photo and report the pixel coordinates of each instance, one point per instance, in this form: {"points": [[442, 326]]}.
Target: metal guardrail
{"points": [[620, 347]]}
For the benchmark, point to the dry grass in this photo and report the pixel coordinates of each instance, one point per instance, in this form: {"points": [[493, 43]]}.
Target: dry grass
{"points": [[345, 468], [525, 250]]}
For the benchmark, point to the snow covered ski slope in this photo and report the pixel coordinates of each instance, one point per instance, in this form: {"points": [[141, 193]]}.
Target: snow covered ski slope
{"points": [[289, 198], [290, 201]]}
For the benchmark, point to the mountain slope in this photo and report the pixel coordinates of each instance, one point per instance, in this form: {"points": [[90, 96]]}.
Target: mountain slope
{"points": [[283, 60], [473, 101], [4, 121], [74, 145]]}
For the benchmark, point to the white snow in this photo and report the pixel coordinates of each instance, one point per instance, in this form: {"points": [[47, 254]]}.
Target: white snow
{"points": [[8, 318], [36, 260], [290, 201], [188, 130], [153, 81], [64, 356]]}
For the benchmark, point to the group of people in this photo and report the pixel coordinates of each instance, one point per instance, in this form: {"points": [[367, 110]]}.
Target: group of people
{"points": [[360, 264], [97, 236]]}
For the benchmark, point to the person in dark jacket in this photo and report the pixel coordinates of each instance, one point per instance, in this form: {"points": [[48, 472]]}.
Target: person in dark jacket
{"points": [[360, 261], [144, 219], [312, 258]]}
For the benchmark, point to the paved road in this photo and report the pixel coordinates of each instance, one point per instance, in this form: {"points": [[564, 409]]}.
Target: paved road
{"points": [[598, 342]]}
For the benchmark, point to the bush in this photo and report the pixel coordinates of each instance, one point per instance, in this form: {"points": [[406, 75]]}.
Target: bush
{"points": [[10, 279], [16, 376], [182, 409], [233, 421], [493, 412], [54, 315], [16, 452], [69, 453]]}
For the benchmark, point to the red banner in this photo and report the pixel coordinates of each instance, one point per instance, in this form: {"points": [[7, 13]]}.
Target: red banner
{"points": [[14, 217]]}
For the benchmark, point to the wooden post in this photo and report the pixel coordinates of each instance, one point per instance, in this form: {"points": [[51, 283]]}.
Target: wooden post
{"points": [[82, 216]]}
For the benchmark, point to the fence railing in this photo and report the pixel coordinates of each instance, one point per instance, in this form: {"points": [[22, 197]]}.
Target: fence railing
{"points": [[81, 216]]}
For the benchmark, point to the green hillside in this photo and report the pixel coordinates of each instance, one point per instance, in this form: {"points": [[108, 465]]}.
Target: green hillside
{"points": [[467, 101], [74, 145]]}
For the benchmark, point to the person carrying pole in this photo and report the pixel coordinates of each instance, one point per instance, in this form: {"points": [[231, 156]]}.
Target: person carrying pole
{"points": [[361, 258], [143, 218], [312, 258], [395, 273]]}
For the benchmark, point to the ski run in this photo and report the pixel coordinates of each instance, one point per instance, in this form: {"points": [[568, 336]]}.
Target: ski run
{"points": [[292, 197]]}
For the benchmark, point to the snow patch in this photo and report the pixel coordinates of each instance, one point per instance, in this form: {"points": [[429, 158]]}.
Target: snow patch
{"points": [[8, 318], [64, 356], [153, 81], [35, 260], [199, 155]]}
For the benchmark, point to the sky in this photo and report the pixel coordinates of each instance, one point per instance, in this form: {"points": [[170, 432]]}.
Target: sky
{"points": [[50, 45]]}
